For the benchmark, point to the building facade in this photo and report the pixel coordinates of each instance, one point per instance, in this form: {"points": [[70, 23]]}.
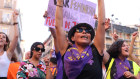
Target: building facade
{"points": [[49, 45], [124, 33], [7, 8]]}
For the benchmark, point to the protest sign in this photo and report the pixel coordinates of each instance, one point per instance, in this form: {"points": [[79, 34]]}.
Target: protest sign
{"points": [[74, 11]]}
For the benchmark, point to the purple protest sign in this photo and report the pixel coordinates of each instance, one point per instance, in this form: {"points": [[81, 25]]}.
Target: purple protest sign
{"points": [[74, 11]]}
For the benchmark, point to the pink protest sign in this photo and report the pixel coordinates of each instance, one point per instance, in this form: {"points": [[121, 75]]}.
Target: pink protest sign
{"points": [[74, 11]]}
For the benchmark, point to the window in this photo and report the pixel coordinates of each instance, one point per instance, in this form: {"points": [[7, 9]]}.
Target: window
{"points": [[107, 33], [124, 35], [5, 30], [108, 46], [7, 18], [128, 36], [120, 34], [7, 3]]}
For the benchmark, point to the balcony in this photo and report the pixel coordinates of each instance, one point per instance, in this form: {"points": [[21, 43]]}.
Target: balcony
{"points": [[136, 47], [8, 6], [127, 40], [108, 37], [6, 23], [137, 55]]}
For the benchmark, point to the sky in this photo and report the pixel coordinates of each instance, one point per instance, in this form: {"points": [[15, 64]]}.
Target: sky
{"points": [[33, 28]]}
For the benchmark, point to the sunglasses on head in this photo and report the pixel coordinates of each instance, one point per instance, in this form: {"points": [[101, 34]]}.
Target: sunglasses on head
{"points": [[79, 30], [38, 49]]}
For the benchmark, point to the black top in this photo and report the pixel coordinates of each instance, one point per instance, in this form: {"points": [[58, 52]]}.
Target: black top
{"points": [[113, 68], [3, 77], [108, 62], [93, 71]]}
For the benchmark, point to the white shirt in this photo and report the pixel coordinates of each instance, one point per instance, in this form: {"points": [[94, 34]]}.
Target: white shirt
{"points": [[4, 64]]}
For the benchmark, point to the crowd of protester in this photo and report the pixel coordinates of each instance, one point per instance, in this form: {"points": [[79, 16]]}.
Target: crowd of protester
{"points": [[80, 54]]}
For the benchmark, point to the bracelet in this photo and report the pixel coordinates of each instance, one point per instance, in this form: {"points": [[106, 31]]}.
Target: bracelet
{"points": [[15, 23], [103, 23], [59, 5]]}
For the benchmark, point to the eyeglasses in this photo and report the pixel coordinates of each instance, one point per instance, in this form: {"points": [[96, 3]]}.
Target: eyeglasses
{"points": [[79, 30], [38, 49]]}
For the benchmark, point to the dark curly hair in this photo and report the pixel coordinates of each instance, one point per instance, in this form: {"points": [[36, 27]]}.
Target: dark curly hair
{"points": [[34, 45], [6, 46], [115, 49]]}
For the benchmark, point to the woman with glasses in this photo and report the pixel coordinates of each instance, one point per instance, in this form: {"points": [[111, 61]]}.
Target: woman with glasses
{"points": [[33, 68], [81, 60], [7, 48]]}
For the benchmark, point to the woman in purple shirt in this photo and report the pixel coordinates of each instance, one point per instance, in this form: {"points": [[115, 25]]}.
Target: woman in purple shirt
{"points": [[119, 67]]}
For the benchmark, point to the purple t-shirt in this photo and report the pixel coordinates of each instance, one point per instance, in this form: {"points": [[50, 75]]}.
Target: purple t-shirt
{"points": [[59, 66], [118, 68]]}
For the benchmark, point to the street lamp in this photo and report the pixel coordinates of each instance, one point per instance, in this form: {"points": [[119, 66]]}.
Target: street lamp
{"points": [[112, 28]]}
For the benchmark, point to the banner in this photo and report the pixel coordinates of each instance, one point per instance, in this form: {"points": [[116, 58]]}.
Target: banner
{"points": [[74, 12]]}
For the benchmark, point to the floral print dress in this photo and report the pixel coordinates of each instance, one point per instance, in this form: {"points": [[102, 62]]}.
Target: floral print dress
{"points": [[27, 70]]}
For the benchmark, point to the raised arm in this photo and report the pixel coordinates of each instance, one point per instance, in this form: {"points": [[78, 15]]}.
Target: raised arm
{"points": [[48, 73], [106, 55], [60, 34], [53, 33], [131, 55], [55, 40], [100, 33], [13, 44]]}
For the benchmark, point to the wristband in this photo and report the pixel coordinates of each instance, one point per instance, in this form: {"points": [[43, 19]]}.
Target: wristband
{"points": [[15, 23], [59, 5]]}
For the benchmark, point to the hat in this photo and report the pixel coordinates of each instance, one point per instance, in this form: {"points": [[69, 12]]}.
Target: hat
{"points": [[73, 29]]}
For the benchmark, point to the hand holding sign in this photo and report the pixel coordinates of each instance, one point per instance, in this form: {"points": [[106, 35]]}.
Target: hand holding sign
{"points": [[45, 14]]}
